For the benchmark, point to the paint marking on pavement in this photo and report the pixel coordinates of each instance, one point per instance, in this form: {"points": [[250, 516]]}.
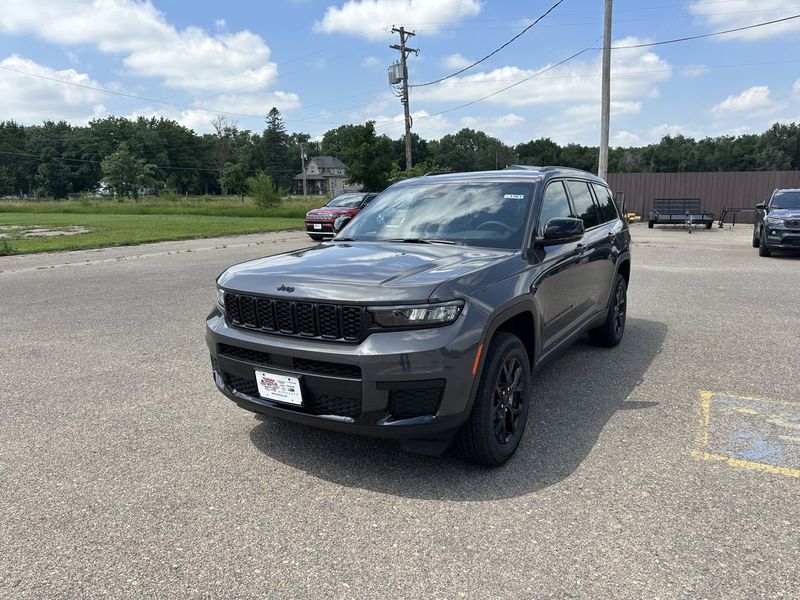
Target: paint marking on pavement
{"points": [[749, 433]]}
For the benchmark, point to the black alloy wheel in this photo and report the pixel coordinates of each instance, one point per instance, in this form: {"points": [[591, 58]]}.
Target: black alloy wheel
{"points": [[508, 400]]}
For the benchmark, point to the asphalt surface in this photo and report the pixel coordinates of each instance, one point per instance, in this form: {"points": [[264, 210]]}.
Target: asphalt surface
{"points": [[124, 473]]}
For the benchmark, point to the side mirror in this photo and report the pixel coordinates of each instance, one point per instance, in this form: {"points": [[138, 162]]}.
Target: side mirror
{"points": [[561, 231], [761, 206], [340, 222]]}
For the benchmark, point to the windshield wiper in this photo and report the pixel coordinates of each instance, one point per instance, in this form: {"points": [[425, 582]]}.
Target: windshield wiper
{"points": [[343, 239], [421, 241]]}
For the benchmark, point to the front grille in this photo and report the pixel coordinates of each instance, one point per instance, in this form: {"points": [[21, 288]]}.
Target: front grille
{"points": [[407, 403], [291, 317], [319, 217], [319, 404], [303, 365], [792, 223]]}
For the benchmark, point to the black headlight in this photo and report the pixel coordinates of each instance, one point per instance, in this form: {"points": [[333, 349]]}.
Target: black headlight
{"points": [[417, 315]]}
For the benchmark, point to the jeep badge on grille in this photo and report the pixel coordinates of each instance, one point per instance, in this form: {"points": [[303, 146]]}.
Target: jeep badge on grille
{"points": [[285, 288]]}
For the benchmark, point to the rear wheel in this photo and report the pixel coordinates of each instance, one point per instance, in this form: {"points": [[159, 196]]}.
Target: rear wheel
{"points": [[763, 249], [494, 429], [709, 224], [650, 224], [609, 334]]}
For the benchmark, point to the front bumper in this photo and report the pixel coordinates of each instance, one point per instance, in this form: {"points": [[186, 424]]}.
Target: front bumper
{"points": [[324, 227], [782, 239], [412, 385]]}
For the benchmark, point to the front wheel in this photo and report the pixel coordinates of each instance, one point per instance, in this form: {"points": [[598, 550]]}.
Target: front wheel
{"points": [[609, 334], [755, 239], [650, 224], [763, 249], [494, 429]]}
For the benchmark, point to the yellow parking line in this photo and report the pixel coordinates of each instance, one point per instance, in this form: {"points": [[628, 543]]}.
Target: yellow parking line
{"points": [[746, 464], [702, 438]]}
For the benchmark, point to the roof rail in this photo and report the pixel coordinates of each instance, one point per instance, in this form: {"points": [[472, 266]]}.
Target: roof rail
{"points": [[549, 168]]}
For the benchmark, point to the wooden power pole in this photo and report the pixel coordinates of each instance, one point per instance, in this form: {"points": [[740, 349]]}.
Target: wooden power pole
{"points": [[404, 52], [605, 111]]}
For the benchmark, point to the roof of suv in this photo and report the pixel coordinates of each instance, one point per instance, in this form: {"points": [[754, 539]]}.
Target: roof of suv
{"points": [[511, 173]]}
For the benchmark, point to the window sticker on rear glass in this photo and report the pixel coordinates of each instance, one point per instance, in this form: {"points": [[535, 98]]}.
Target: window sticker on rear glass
{"points": [[515, 196]]}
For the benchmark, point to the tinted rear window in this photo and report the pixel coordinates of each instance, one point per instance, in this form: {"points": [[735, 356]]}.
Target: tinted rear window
{"points": [[583, 203], [608, 210]]}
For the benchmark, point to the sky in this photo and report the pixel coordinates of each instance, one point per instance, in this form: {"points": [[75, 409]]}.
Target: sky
{"points": [[323, 63]]}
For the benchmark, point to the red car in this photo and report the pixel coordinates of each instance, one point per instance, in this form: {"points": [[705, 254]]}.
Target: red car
{"points": [[319, 222]]}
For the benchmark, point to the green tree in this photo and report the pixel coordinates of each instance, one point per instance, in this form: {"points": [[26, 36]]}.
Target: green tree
{"points": [[263, 191], [277, 163], [124, 173], [234, 178], [52, 176], [368, 156]]}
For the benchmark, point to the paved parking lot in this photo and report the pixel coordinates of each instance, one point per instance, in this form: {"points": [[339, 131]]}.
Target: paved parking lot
{"points": [[666, 467]]}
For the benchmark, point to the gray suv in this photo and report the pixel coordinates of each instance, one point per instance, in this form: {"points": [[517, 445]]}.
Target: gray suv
{"points": [[424, 318]]}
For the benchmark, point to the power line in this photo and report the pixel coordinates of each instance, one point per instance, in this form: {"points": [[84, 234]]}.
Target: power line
{"points": [[500, 91], [165, 167], [477, 62], [703, 35]]}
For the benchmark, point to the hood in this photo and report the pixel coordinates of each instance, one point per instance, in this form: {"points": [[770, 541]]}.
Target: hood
{"points": [[334, 210], [360, 271], [784, 213]]}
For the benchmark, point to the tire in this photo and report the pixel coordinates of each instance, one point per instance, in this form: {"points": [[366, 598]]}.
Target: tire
{"points": [[708, 225], [649, 224], [495, 426], [755, 239], [316, 238], [763, 249], [610, 333]]}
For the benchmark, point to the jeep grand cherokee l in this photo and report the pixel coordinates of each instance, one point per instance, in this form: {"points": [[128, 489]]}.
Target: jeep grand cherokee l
{"points": [[777, 223], [424, 318]]}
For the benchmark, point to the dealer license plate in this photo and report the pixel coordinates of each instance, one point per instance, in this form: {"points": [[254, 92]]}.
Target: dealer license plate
{"points": [[317, 225], [279, 388]]}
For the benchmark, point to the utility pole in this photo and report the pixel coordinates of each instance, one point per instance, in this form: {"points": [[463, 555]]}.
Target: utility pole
{"points": [[303, 161], [605, 116], [404, 52]]}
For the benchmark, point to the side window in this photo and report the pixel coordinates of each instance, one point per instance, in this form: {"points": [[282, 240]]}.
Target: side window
{"points": [[554, 205], [608, 210], [584, 205], [367, 200]]}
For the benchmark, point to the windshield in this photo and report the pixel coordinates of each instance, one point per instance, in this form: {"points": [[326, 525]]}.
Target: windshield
{"points": [[786, 200], [346, 201], [492, 215]]}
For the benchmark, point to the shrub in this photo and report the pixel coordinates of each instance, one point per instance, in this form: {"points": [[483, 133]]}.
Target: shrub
{"points": [[5, 247], [262, 190]]}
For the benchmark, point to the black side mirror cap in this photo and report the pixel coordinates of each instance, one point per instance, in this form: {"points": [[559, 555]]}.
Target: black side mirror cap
{"points": [[340, 222], [761, 206], [561, 231]]}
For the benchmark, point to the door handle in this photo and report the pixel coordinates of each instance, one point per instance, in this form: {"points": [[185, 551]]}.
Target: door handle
{"points": [[611, 234], [580, 249]]}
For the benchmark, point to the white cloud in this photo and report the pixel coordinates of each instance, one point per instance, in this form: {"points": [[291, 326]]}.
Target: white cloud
{"points": [[741, 13], [456, 61], [356, 17], [753, 101], [220, 23], [150, 46], [635, 74], [370, 61], [32, 99], [625, 138], [796, 89]]}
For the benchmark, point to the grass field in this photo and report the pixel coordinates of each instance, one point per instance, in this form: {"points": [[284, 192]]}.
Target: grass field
{"points": [[112, 223]]}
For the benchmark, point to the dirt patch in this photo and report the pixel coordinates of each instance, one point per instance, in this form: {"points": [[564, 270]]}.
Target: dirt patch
{"points": [[21, 232]]}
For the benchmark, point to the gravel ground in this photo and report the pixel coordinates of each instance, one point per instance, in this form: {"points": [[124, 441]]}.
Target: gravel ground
{"points": [[126, 474]]}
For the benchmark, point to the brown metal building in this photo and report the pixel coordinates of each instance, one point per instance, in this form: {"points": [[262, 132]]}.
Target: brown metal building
{"points": [[716, 190]]}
